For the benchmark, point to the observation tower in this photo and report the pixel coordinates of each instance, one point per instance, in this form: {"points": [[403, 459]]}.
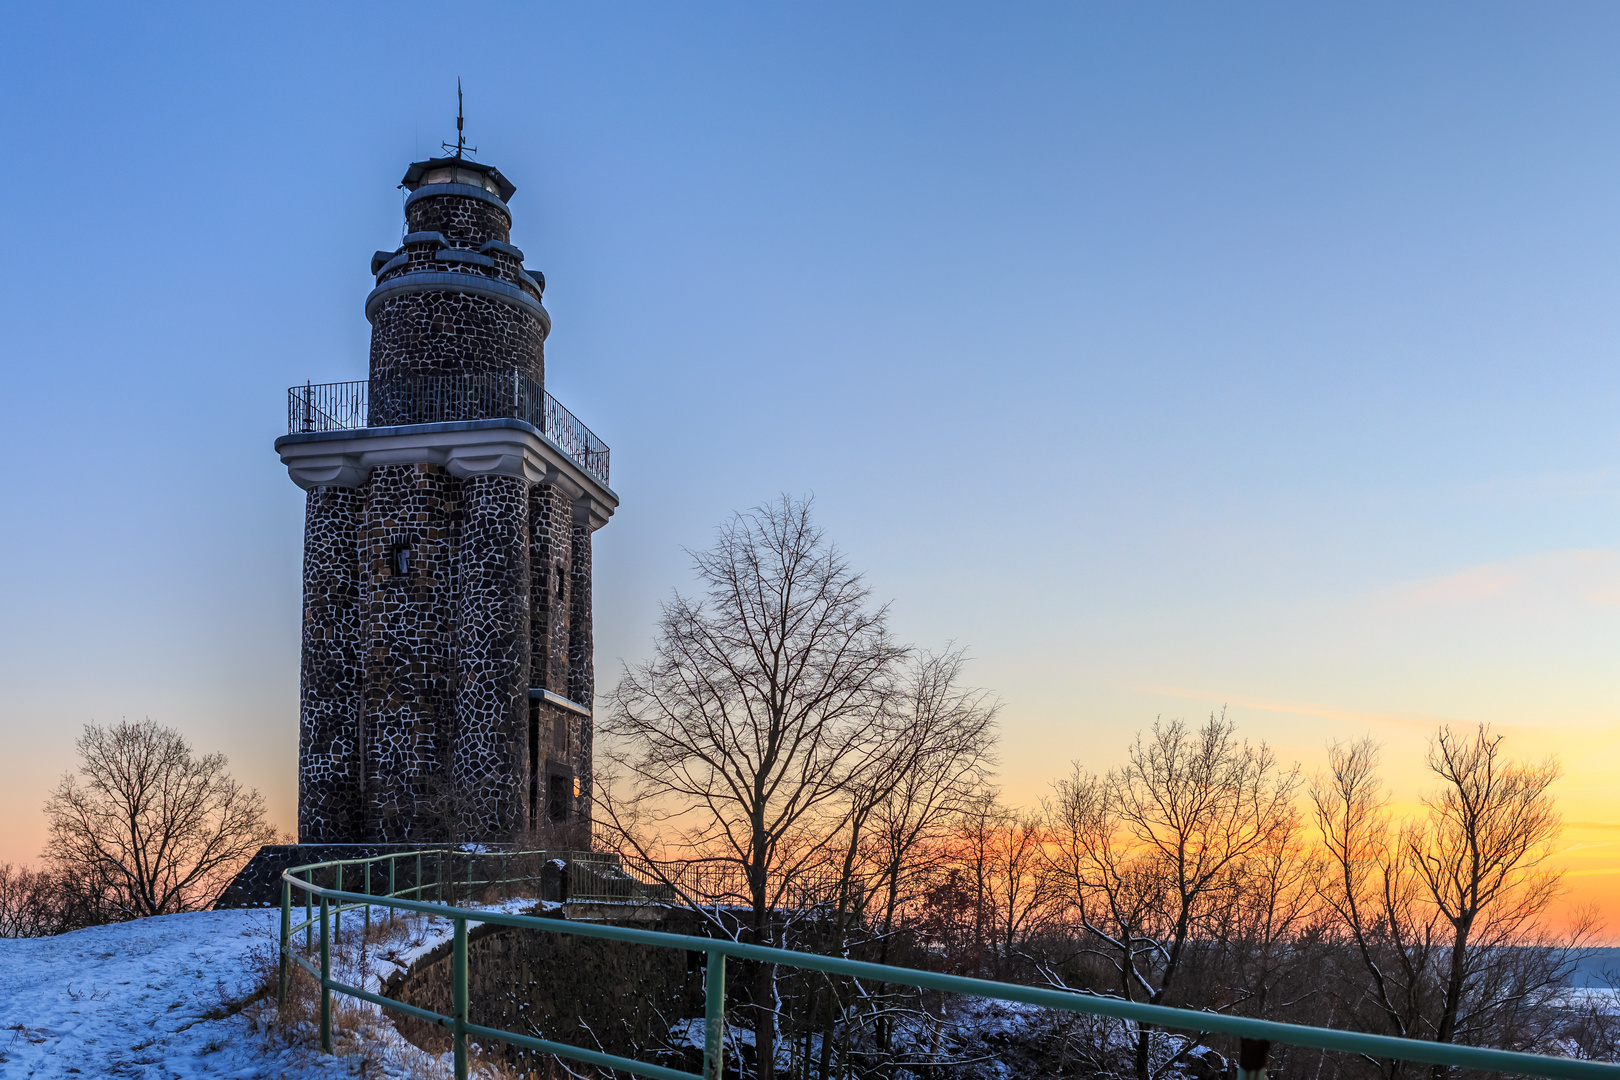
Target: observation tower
{"points": [[446, 675]]}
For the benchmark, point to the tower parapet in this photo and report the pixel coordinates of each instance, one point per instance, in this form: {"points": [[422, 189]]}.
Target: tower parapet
{"points": [[453, 299], [446, 677]]}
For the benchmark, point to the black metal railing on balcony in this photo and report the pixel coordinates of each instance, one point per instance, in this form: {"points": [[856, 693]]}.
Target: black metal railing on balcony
{"points": [[437, 399]]}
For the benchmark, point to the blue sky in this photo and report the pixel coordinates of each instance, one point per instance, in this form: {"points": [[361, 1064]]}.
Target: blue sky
{"points": [[1167, 356]]}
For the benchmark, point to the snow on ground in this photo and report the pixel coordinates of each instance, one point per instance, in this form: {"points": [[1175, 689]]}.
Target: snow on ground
{"points": [[137, 999], [168, 998]]}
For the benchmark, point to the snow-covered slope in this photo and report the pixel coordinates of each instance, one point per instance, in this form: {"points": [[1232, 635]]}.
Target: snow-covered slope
{"points": [[140, 999], [162, 999], [128, 1000]]}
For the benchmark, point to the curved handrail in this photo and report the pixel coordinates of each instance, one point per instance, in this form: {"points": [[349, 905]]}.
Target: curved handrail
{"points": [[1246, 1028]]}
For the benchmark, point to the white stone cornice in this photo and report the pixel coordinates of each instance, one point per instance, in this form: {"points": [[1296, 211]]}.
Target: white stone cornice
{"points": [[500, 447], [589, 509]]}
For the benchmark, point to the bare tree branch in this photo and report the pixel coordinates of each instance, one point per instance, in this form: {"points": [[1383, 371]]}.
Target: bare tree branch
{"points": [[159, 829]]}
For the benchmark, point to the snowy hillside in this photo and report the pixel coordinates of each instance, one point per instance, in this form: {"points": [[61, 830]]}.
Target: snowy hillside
{"points": [[167, 999]]}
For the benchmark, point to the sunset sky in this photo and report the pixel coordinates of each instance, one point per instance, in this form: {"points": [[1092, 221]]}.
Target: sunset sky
{"points": [[1168, 357]]}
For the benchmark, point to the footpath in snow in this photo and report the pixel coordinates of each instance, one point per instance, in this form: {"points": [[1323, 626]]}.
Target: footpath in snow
{"points": [[167, 998]]}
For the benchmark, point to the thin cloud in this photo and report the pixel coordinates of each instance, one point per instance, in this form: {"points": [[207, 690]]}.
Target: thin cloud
{"points": [[1299, 708], [1547, 580], [1467, 586], [1550, 485]]}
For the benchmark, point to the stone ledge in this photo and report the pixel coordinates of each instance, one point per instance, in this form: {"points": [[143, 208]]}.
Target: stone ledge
{"points": [[503, 247], [434, 281], [538, 693], [465, 191], [464, 448], [455, 255]]}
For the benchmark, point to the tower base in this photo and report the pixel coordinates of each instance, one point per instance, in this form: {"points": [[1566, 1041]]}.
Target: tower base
{"points": [[258, 884]]}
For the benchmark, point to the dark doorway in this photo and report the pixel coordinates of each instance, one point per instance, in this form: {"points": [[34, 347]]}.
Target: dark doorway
{"points": [[534, 762], [558, 789]]}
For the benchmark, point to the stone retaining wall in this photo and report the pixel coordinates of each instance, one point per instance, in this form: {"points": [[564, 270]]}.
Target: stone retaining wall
{"points": [[600, 995]]}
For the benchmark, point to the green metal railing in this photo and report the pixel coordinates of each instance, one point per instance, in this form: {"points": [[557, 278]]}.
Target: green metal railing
{"points": [[1257, 1035]]}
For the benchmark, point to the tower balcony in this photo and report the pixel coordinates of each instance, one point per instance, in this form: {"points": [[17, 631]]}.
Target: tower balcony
{"points": [[440, 399]]}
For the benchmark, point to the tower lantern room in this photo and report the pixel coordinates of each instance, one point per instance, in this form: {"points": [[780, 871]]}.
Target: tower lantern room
{"points": [[446, 674]]}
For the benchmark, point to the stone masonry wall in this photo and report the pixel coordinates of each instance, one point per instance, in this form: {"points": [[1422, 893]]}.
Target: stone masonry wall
{"points": [[462, 223], [329, 754], [550, 553], [581, 666], [588, 992], [581, 662], [420, 614], [464, 220], [423, 334], [490, 752], [450, 333], [411, 513]]}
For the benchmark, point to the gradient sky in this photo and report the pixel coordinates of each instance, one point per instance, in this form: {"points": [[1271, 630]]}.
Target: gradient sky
{"points": [[1167, 356]]}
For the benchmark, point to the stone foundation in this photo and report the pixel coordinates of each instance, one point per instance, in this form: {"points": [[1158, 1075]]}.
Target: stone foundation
{"points": [[258, 884]]}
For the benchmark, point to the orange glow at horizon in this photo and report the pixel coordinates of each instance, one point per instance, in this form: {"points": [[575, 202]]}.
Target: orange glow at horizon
{"points": [[1587, 851]]}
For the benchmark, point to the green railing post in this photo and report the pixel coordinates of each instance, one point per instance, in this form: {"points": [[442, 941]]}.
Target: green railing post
{"points": [[1253, 1055], [458, 998], [714, 1016], [337, 908], [470, 861], [326, 981], [309, 914], [392, 863], [286, 941], [438, 879], [367, 891], [418, 877]]}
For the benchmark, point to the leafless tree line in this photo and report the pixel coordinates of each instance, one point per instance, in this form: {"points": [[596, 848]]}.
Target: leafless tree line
{"points": [[1193, 876], [780, 729], [145, 827], [38, 903]]}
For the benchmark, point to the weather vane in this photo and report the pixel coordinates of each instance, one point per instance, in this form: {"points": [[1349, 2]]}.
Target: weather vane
{"points": [[461, 146]]}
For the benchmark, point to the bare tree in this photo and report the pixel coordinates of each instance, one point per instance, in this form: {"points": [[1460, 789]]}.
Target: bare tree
{"points": [[1151, 855], [1272, 930], [1000, 853], [1445, 915], [37, 903], [23, 908], [155, 827], [940, 749], [762, 710], [1368, 889], [1481, 855], [937, 740]]}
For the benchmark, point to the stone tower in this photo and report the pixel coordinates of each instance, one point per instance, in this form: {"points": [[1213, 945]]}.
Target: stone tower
{"points": [[447, 654]]}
